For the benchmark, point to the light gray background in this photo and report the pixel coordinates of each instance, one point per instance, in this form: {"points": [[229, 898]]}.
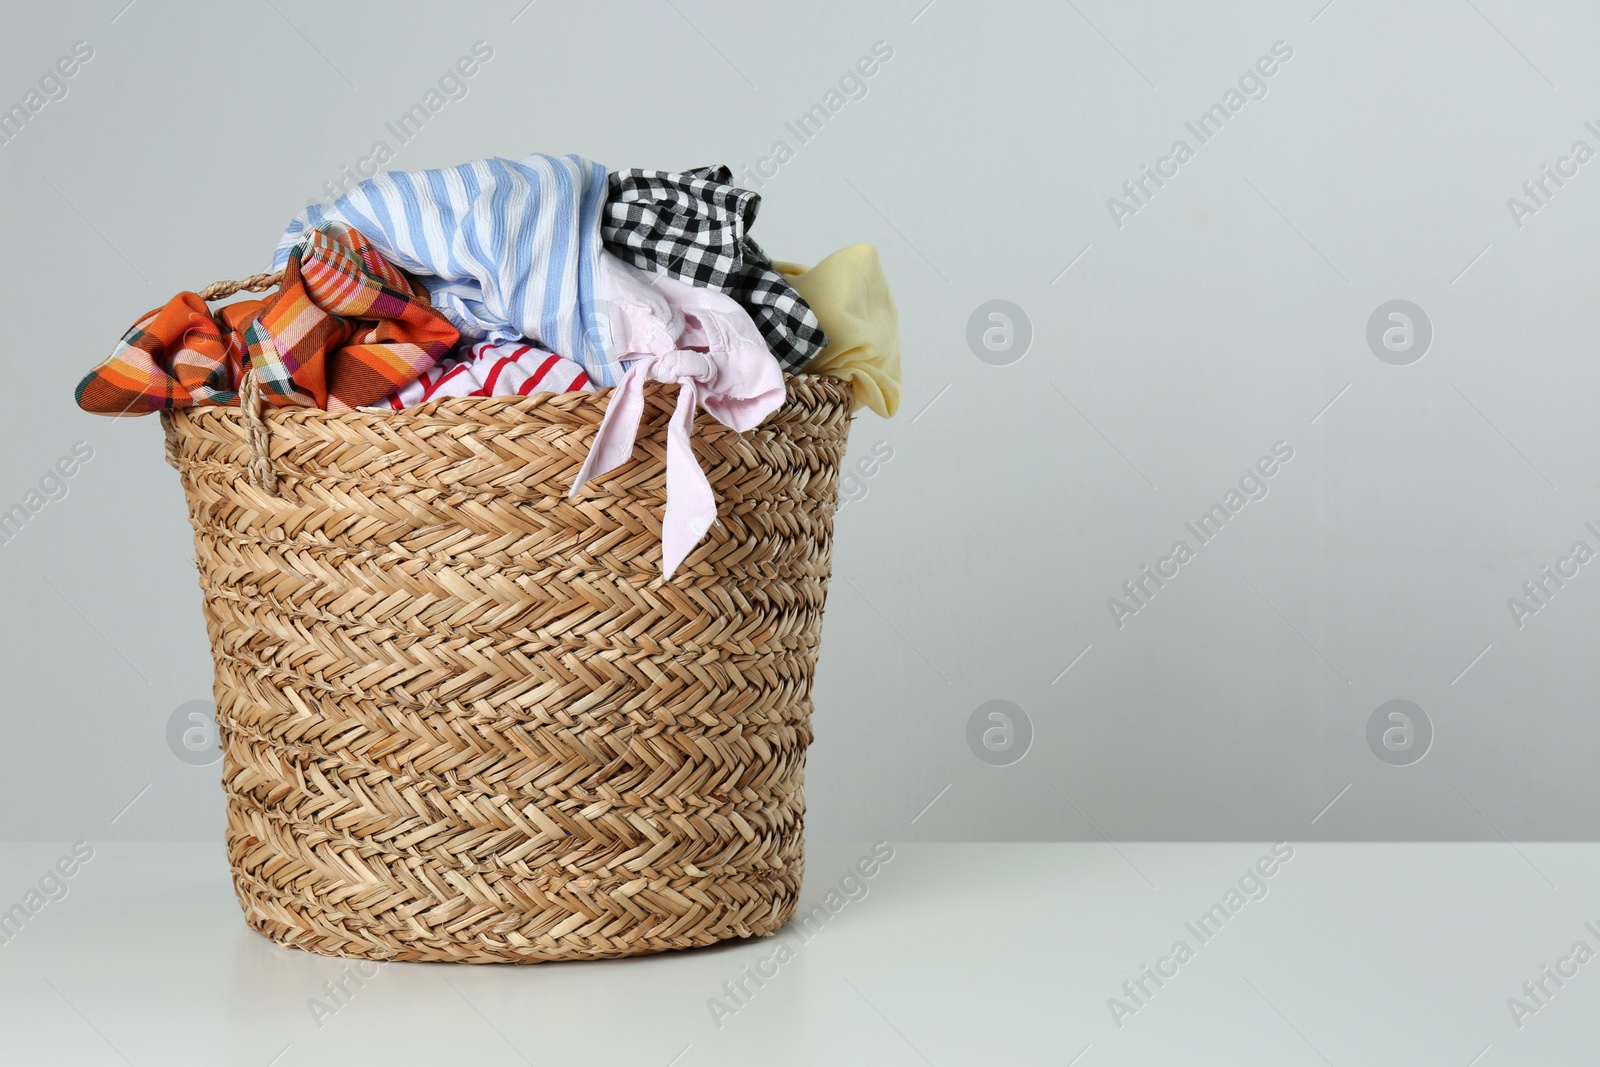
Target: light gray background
{"points": [[1167, 356]]}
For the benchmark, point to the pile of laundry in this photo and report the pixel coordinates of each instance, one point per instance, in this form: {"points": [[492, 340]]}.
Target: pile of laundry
{"points": [[502, 277], [507, 278]]}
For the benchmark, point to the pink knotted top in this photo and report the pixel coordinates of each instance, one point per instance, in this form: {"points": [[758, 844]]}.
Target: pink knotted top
{"points": [[703, 341]]}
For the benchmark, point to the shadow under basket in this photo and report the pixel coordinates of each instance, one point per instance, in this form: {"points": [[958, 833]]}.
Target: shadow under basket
{"points": [[464, 718]]}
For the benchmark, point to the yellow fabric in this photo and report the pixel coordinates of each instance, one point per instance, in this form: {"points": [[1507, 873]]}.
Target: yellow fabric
{"points": [[851, 298]]}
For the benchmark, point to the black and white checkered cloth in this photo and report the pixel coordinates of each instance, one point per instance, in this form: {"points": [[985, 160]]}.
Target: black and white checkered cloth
{"points": [[693, 226]]}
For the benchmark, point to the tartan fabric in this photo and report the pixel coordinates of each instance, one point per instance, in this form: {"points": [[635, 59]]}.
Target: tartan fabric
{"points": [[175, 356], [693, 226], [345, 329]]}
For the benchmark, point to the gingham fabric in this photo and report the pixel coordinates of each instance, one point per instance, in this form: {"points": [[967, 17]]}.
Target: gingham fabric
{"points": [[693, 226], [489, 369], [345, 329]]}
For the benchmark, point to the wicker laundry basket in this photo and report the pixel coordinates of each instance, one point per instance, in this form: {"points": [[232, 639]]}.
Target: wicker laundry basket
{"points": [[463, 717]]}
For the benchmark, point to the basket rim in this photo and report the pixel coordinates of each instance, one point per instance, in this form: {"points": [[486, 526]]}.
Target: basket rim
{"points": [[824, 388]]}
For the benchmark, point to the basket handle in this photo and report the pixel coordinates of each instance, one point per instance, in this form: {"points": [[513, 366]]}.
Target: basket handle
{"points": [[251, 406], [255, 283]]}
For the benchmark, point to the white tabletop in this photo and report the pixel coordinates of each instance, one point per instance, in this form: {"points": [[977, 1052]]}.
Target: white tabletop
{"points": [[1360, 954]]}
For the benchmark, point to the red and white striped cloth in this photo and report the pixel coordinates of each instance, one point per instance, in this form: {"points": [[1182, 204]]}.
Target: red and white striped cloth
{"points": [[489, 368]]}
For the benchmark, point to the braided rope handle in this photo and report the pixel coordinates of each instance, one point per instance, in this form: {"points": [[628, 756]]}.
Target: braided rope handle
{"points": [[255, 283], [251, 406]]}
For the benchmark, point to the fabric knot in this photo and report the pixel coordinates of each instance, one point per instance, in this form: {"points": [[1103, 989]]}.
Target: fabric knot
{"points": [[679, 365]]}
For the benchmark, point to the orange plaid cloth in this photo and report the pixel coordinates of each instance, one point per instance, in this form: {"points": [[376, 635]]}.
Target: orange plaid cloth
{"points": [[344, 330]]}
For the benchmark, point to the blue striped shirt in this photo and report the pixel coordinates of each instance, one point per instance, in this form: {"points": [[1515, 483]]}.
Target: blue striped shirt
{"points": [[507, 249]]}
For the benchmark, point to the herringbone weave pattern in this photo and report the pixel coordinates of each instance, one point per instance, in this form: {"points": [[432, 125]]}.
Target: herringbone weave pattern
{"points": [[464, 718]]}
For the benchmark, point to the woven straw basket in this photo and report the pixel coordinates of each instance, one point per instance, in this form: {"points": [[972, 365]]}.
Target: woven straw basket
{"points": [[465, 718]]}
